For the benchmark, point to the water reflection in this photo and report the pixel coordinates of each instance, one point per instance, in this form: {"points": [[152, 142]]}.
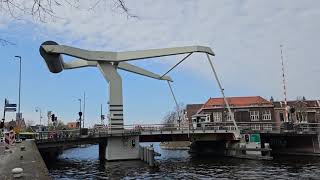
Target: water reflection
{"points": [[83, 163]]}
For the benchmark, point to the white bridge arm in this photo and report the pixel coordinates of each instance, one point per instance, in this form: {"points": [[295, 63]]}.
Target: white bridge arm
{"points": [[80, 53], [123, 56], [79, 63], [134, 69], [151, 53]]}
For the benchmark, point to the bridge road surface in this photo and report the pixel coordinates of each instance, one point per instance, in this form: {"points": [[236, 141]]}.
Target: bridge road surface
{"points": [[151, 135], [32, 163]]}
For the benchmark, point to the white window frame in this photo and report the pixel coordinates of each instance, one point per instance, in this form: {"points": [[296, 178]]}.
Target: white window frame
{"points": [[217, 116], [266, 115], [256, 127], [254, 115], [229, 116], [267, 127]]}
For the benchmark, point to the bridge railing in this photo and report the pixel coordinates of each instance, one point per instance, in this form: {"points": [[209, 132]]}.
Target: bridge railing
{"points": [[62, 135]]}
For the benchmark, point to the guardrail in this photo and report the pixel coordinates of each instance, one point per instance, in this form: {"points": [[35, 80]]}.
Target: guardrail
{"points": [[62, 135]]}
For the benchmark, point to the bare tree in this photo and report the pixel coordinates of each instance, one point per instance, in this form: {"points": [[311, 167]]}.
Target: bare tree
{"points": [[29, 123], [175, 116], [4, 42], [45, 10]]}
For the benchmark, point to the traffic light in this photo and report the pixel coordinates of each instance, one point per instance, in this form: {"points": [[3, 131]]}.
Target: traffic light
{"points": [[80, 113], [246, 137], [53, 118]]}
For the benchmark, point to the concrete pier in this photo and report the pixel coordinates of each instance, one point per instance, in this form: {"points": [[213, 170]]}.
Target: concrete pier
{"points": [[28, 159], [122, 148], [102, 151]]}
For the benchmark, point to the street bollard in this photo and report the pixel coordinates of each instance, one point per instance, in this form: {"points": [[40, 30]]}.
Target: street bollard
{"points": [[145, 154], [147, 157], [17, 172], [141, 152], [151, 156]]}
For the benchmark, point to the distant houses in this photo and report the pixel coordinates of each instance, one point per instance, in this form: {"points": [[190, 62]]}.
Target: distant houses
{"points": [[251, 113], [16, 125]]}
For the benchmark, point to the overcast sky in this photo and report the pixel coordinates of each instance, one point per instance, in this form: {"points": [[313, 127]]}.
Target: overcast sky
{"points": [[245, 36]]}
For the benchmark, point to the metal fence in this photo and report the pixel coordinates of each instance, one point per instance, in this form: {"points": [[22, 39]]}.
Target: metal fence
{"points": [[137, 129]]}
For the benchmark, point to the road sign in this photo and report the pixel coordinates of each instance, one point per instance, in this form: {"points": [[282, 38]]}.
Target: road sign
{"points": [[10, 109], [255, 138], [10, 105]]}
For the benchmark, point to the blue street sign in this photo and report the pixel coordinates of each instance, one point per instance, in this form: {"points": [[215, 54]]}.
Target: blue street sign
{"points": [[10, 109], [10, 105]]}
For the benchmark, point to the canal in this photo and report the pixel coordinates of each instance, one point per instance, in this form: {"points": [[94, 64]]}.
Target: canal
{"points": [[83, 163]]}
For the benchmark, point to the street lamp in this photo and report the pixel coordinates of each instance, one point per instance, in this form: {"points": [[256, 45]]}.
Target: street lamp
{"points": [[19, 114], [39, 110], [80, 104]]}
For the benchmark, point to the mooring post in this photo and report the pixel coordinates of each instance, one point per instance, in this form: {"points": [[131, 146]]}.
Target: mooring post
{"points": [[151, 156], [141, 152], [145, 154]]}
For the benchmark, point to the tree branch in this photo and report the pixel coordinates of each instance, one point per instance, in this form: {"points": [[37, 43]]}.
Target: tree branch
{"points": [[4, 42]]}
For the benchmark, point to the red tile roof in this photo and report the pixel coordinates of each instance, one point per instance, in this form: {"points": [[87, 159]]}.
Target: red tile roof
{"points": [[237, 101]]}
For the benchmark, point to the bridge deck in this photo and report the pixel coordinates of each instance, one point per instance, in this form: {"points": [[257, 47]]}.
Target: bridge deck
{"points": [[60, 138]]}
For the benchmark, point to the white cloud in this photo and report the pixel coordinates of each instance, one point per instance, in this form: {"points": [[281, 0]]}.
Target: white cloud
{"points": [[245, 35]]}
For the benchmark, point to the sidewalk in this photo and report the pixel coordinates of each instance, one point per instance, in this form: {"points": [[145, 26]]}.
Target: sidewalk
{"points": [[32, 163]]}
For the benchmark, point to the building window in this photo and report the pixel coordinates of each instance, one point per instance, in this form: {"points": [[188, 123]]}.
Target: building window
{"points": [[301, 116], [267, 127], [255, 127], [207, 118], [254, 115], [217, 116], [266, 115], [229, 116], [281, 117]]}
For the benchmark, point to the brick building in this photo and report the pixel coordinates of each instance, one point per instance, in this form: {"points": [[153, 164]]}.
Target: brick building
{"points": [[305, 111], [191, 109], [72, 125], [253, 112]]}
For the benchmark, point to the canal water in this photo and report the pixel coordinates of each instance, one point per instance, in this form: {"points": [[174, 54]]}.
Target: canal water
{"points": [[83, 163]]}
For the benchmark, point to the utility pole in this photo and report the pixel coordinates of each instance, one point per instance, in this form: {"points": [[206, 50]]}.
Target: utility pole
{"points": [[84, 108], [286, 119], [19, 116], [101, 115]]}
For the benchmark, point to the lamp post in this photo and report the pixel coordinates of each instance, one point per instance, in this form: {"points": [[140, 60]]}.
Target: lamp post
{"points": [[19, 114], [80, 114], [39, 110]]}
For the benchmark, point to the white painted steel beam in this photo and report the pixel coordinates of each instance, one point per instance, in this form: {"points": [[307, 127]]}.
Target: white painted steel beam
{"points": [[79, 63], [123, 56]]}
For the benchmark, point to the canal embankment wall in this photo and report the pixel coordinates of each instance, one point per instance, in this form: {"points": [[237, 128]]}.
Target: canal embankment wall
{"points": [[23, 155]]}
